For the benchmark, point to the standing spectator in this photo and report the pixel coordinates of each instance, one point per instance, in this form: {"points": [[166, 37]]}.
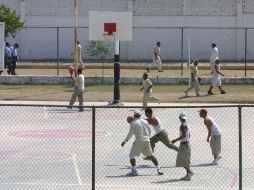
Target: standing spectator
{"points": [[156, 58], [216, 80], [147, 87], [214, 55], [194, 79], [14, 54], [161, 133], [213, 137], [140, 128], [78, 90], [81, 64], [7, 58], [184, 153]]}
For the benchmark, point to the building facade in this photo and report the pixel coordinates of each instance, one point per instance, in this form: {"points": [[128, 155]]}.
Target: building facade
{"points": [[184, 27]]}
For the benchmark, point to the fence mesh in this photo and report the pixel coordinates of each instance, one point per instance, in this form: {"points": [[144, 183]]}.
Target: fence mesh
{"points": [[51, 147]]}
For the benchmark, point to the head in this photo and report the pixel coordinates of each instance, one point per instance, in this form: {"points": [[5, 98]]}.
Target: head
{"points": [[79, 71], [203, 113], [137, 114], [148, 112], [16, 45], [183, 117], [217, 61], [7, 44], [130, 118], [145, 76], [213, 45], [195, 62], [158, 44]]}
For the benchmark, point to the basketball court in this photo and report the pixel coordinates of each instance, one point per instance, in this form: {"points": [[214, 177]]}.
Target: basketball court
{"points": [[51, 148]]}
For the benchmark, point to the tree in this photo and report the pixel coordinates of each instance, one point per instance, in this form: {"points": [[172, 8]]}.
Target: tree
{"points": [[12, 21], [100, 49]]}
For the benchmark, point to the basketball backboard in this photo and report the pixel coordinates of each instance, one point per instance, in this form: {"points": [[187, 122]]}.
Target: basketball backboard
{"points": [[118, 24]]}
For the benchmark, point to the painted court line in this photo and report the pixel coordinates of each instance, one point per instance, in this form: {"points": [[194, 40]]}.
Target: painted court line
{"points": [[77, 169]]}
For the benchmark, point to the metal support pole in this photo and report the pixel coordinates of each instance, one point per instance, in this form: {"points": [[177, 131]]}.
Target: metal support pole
{"points": [[245, 58], [93, 148], [182, 54], [117, 73], [57, 49], [240, 148]]}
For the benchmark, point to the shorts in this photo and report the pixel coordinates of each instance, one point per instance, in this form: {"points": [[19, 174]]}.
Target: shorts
{"points": [[216, 81], [139, 147], [183, 155], [215, 144]]}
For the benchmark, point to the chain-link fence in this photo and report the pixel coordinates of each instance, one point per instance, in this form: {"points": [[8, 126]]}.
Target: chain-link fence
{"points": [[53, 147]]}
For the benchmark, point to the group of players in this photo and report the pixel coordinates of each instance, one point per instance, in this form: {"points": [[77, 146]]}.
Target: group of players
{"points": [[145, 144], [195, 79]]}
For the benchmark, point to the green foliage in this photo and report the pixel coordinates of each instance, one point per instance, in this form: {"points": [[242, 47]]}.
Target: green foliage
{"points": [[12, 21], [100, 48]]}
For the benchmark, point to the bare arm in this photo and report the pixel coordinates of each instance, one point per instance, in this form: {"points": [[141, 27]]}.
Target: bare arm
{"points": [[208, 123], [183, 129], [217, 70]]}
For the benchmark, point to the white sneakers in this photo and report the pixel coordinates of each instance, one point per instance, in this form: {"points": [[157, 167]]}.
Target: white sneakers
{"points": [[135, 172], [160, 172], [215, 161]]}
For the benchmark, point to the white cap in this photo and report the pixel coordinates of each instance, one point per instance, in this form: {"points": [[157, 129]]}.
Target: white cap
{"points": [[183, 116], [137, 113]]}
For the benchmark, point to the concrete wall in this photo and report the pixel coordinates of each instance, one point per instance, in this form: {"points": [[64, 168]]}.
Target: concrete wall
{"points": [[110, 80], [153, 21]]}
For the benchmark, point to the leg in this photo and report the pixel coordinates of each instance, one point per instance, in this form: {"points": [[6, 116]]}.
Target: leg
{"points": [[210, 90], [188, 89], [145, 98], [80, 99], [197, 87], [163, 137], [155, 162], [153, 141], [221, 90], [73, 97], [159, 64]]}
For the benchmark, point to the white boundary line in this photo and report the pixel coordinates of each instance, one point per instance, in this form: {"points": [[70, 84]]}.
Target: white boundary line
{"points": [[77, 169]]}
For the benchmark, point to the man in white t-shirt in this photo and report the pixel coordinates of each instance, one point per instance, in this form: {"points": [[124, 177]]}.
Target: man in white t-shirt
{"points": [[141, 130], [79, 89], [216, 80], [147, 87], [214, 55], [156, 58]]}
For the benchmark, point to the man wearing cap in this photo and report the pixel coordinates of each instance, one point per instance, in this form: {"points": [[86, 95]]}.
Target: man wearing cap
{"points": [[147, 87], [214, 135], [184, 153], [140, 129], [161, 133]]}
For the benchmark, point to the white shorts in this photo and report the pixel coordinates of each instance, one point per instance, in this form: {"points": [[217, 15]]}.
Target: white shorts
{"points": [[139, 147], [216, 81]]}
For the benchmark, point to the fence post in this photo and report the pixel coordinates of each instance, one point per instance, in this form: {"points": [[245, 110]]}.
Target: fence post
{"points": [[240, 147], [57, 49], [245, 54], [93, 148], [182, 52]]}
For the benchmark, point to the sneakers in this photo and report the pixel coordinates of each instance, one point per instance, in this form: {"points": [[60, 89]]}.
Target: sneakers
{"points": [[132, 173], [160, 172], [214, 162], [160, 71], [187, 177], [223, 92], [210, 93]]}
